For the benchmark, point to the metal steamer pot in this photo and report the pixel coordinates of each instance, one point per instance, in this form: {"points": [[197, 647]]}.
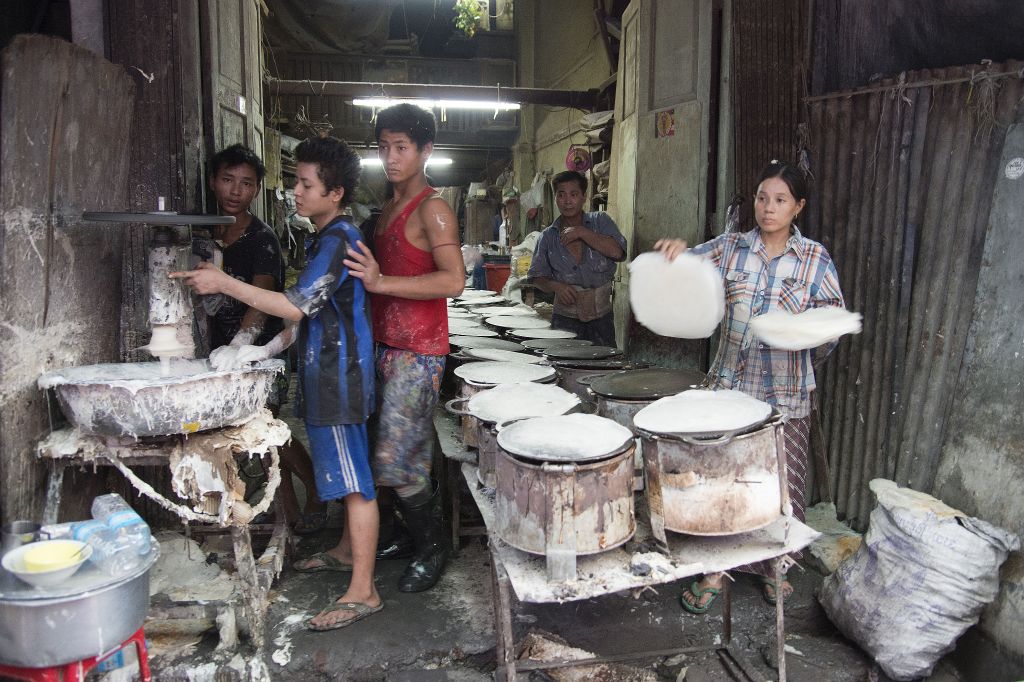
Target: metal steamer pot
{"points": [[487, 442], [720, 484], [39, 633], [586, 363], [620, 395], [467, 390], [564, 509]]}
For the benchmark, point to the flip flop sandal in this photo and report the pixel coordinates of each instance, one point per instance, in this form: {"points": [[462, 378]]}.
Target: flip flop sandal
{"points": [[768, 591], [327, 563], [361, 611], [313, 522], [697, 593]]}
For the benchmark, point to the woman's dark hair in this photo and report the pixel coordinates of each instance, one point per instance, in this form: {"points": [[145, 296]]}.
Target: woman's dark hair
{"points": [[236, 155], [570, 176], [791, 175], [337, 165], [415, 121]]}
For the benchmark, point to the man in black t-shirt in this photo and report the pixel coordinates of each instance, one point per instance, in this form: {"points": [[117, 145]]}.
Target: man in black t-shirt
{"points": [[252, 254]]}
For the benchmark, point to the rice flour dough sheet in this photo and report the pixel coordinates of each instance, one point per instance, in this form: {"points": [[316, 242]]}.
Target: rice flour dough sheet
{"points": [[457, 325], [495, 373], [543, 333], [520, 401], [572, 438], [702, 411], [517, 322], [809, 329], [472, 331], [500, 355], [511, 310], [683, 299], [465, 342]]}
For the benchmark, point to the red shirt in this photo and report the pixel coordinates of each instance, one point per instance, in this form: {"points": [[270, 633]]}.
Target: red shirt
{"points": [[420, 326]]}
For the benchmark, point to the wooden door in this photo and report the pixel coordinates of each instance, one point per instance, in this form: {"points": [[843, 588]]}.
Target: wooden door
{"points": [[232, 73]]}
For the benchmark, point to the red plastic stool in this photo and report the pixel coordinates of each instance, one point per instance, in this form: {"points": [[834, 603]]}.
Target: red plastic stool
{"points": [[76, 672]]}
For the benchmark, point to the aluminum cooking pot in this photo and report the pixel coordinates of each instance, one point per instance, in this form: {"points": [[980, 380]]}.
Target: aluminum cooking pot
{"points": [[723, 484]]}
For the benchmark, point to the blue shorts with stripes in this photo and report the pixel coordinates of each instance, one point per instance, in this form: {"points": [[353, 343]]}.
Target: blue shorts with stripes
{"points": [[341, 461]]}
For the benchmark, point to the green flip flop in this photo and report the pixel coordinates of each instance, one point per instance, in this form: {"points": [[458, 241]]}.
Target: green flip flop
{"points": [[327, 563], [697, 593], [768, 590]]}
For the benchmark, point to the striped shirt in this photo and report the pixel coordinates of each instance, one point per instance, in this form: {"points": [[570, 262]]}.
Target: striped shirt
{"points": [[803, 277], [335, 344]]}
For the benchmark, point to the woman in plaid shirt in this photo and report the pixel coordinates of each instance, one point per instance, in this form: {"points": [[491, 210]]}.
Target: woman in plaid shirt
{"points": [[770, 267]]}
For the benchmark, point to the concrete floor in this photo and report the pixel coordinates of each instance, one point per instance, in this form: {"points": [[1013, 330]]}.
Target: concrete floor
{"points": [[447, 633]]}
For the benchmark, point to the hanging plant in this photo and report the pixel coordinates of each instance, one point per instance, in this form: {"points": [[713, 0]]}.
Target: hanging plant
{"points": [[467, 16]]}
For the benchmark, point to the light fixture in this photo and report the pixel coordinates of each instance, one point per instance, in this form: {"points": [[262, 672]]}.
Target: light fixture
{"points": [[432, 161], [492, 105]]}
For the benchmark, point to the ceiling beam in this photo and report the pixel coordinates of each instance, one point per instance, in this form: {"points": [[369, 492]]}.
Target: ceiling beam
{"points": [[585, 100]]}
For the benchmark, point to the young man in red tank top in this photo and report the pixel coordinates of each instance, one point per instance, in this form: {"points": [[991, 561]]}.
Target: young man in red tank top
{"points": [[416, 262]]}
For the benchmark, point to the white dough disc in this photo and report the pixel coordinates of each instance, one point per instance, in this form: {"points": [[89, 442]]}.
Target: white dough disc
{"points": [[809, 329], [510, 310], [571, 437], [482, 300], [519, 401], [500, 355], [503, 372], [543, 333], [475, 293], [702, 411], [466, 330], [518, 322], [455, 326], [683, 299]]}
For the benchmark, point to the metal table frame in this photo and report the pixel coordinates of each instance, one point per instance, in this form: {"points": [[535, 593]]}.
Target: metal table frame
{"points": [[508, 666]]}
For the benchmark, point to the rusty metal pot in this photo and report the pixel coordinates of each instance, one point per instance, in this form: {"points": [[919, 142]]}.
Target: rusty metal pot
{"points": [[620, 395], [563, 508], [717, 485], [470, 386], [551, 401]]}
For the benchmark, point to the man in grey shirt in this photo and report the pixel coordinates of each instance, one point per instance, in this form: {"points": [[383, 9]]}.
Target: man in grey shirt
{"points": [[575, 260]]}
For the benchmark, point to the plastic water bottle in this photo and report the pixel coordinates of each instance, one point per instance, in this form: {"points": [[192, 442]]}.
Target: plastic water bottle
{"points": [[112, 552], [123, 520]]}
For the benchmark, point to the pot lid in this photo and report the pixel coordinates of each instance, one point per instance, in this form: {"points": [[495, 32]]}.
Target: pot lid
{"points": [[463, 341], [481, 300], [568, 438], [455, 326], [646, 384], [543, 333], [541, 344], [581, 352], [610, 364], [501, 355], [466, 330], [494, 373], [510, 310], [518, 322], [705, 412], [520, 401]]}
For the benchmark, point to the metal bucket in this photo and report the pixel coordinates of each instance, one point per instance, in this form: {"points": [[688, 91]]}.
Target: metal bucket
{"points": [[716, 486], [38, 633], [561, 510], [132, 399]]}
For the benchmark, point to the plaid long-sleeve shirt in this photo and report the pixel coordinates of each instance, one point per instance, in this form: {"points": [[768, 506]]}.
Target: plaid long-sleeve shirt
{"points": [[803, 277]]}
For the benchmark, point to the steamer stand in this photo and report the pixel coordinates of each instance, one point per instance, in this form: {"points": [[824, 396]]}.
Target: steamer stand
{"points": [[154, 425]]}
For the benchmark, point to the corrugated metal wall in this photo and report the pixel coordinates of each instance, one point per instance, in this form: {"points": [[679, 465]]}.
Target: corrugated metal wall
{"points": [[769, 70], [903, 177]]}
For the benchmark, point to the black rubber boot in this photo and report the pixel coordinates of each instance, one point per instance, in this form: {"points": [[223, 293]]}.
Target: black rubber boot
{"points": [[396, 544], [426, 523]]}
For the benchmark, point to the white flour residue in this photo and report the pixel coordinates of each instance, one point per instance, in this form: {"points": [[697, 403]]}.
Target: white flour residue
{"points": [[317, 293], [27, 353], [283, 641]]}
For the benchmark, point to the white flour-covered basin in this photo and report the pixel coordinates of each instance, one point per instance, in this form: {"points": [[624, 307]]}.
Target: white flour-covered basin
{"points": [[133, 399]]}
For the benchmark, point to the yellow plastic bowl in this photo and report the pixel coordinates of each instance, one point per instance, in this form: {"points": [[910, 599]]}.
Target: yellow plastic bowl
{"points": [[52, 555]]}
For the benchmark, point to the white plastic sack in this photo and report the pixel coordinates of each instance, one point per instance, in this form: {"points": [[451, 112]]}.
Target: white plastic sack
{"points": [[921, 577]]}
